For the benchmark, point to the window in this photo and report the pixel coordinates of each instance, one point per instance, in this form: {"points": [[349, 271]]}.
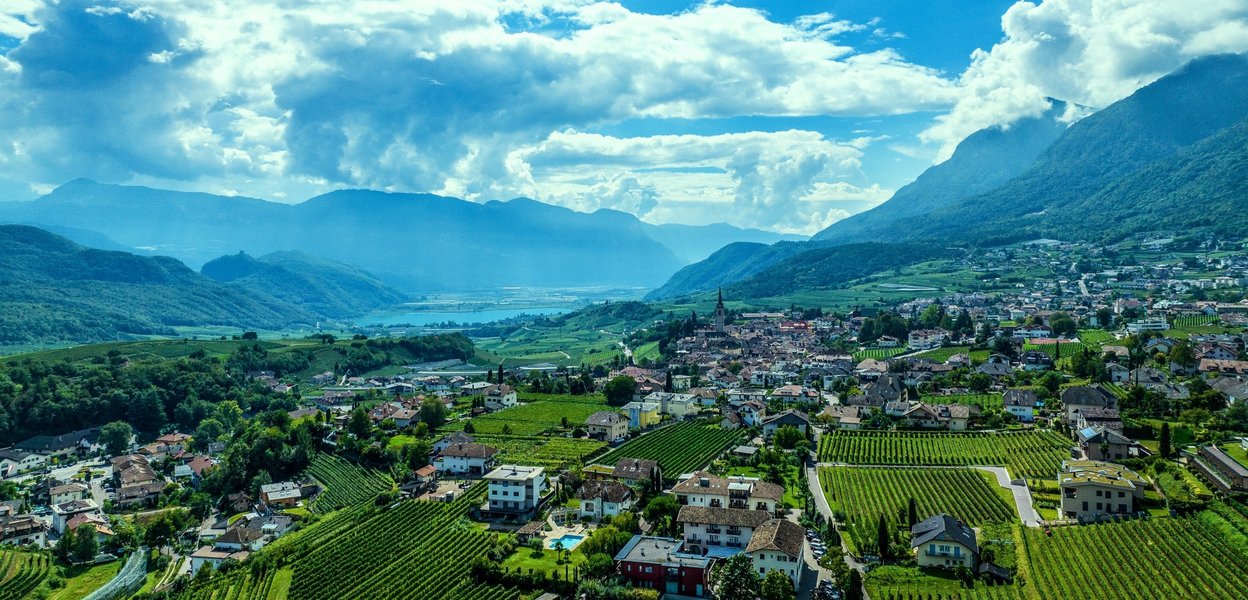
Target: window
{"points": [[1098, 506], [1121, 494]]}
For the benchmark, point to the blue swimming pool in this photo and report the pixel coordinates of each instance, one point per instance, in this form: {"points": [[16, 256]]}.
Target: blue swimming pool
{"points": [[568, 540]]}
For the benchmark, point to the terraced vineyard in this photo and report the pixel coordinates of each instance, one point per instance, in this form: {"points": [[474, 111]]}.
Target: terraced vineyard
{"points": [[679, 448], [542, 451], [22, 572], [1025, 453], [1160, 558], [412, 550], [863, 494], [345, 483]]}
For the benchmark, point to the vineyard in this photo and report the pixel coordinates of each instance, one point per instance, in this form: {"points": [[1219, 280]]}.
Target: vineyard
{"points": [[1157, 558], [22, 572], [345, 483], [943, 354], [539, 416], [410, 550], [541, 451], [1069, 349], [878, 353], [1189, 321], [1025, 453], [1095, 338], [861, 495], [679, 448], [986, 402]]}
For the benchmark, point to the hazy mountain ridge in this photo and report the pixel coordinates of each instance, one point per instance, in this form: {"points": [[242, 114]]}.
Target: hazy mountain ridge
{"points": [[325, 287], [53, 290]]}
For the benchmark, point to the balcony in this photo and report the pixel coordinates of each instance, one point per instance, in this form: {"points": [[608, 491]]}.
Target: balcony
{"points": [[734, 531], [714, 529], [738, 504]]}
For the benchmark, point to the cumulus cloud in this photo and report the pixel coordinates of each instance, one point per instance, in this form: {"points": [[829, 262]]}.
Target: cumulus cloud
{"points": [[450, 97], [1089, 52]]}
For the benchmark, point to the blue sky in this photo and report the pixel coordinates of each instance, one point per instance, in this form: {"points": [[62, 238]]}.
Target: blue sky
{"points": [[779, 115]]}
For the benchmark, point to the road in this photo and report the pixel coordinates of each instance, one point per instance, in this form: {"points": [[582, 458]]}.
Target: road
{"points": [[1022, 496], [821, 502]]}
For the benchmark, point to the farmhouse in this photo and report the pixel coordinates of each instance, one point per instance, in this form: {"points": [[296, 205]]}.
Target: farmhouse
{"points": [[943, 541], [499, 397]]}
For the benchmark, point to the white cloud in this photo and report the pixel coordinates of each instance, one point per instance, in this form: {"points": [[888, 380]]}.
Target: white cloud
{"points": [[1090, 52]]}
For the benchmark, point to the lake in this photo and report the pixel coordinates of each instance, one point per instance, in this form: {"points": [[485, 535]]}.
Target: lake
{"points": [[422, 318]]}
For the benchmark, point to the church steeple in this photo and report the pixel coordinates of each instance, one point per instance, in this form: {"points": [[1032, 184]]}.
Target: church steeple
{"points": [[719, 313]]}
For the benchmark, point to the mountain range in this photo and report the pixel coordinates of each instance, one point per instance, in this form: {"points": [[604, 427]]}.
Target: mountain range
{"points": [[415, 243], [324, 287], [1172, 158]]}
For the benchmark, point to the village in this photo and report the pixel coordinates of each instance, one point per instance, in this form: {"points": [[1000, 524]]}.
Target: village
{"points": [[763, 444]]}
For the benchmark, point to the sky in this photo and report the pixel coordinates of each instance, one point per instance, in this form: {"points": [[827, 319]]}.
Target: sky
{"points": [[785, 115]]}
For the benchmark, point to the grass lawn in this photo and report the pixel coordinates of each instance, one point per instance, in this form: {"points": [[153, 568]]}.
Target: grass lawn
{"points": [[399, 441], [790, 481], [1236, 452], [81, 581], [281, 584], [524, 560]]}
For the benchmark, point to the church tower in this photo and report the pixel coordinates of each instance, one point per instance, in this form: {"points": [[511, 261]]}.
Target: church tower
{"points": [[719, 313]]}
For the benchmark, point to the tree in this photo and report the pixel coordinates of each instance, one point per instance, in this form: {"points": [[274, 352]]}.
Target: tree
{"points": [[1061, 324], [1183, 355], [778, 586], [619, 391], [668, 386], [912, 512], [359, 425], [883, 538], [735, 579], [661, 512], [979, 382], [468, 428], [115, 437], [432, 412], [787, 437], [854, 590], [1163, 447], [500, 374]]}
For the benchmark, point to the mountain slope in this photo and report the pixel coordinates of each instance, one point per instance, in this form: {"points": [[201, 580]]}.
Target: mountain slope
{"points": [[831, 267], [692, 243], [53, 290], [981, 162], [325, 287], [728, 265]]}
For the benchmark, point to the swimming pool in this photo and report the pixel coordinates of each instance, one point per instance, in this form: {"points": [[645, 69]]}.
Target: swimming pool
{"points": [[569, 541]]}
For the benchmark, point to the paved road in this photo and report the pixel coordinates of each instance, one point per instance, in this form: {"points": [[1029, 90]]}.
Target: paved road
{"points": [[1022, 496], [821, 502]]}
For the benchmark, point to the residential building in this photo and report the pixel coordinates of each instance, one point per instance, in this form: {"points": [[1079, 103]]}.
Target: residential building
{"points": [[21, 530], [499, 397], [719, 531], [677, 405], [636, 470], [927, 339], [284, 493], [1138, 327], [1102, 443], [208, 555], [943, 541], [1093, 490], [642, 414], [1021, 404], [458, 437], [465, 459], [606, 425], [789, 418], [68, 492], [15, 462], [704, 489], [83, 441], [660, 564], [62, 513], [515, 488], [779, 545], [1226, 473], [602, 499], [1081, 397], [135, 480]]}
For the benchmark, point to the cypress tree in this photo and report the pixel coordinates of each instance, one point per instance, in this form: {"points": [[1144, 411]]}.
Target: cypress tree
{"points": [[1164, 446], [913, 512], [882, 537]]}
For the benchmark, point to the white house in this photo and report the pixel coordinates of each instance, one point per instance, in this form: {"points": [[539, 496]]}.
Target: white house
{"points": [[1021, 404], [779, 545], [499, 397], [14, 462], [602, 499], [516, 488], [704, 489], [465, 459], [62, 513]]}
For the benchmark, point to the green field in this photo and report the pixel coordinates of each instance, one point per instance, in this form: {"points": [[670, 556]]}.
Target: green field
{"points": [[679, 448], [986, 402], [860, 495], [538, 414], [345, 482], [943, 354], [1029, 454]]}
